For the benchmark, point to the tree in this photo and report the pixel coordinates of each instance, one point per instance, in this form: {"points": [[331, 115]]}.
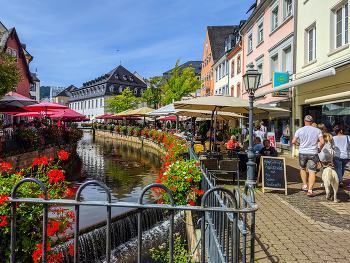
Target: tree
{"points": [[182, 83], [153, 94], [122, 102], [10, 74]]}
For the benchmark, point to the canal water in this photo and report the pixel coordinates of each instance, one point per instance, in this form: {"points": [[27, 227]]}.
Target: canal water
{"points": [[125, 167]]}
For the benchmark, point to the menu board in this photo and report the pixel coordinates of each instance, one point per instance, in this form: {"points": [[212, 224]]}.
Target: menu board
{"points": [[273, 173]]}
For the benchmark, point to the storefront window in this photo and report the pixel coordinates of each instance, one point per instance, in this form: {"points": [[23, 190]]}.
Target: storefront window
{"points": [[336, 114], [281, 127]]}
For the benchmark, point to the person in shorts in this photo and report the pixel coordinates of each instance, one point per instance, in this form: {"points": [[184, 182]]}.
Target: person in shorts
{"points": [[309, 137]]}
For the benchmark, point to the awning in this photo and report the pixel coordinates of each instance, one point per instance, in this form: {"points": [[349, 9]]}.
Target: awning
{"points": [[320, 75], [332, 98]]}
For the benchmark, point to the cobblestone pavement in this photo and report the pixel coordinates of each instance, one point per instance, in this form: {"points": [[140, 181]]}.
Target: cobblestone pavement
{"points": [[297, 228]]}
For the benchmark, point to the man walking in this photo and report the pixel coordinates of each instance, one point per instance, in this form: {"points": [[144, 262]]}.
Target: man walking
{"points": [[308, 152]]}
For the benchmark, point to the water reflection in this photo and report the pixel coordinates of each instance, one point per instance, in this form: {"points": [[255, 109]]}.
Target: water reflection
{"points": [[124, 167]]}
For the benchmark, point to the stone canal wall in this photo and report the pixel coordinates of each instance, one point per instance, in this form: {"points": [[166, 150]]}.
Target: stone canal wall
{"points": [[25, 160]]}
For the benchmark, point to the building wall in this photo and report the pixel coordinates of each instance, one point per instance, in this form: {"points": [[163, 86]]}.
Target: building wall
{"points": [[311, 14], [22, 87], [274, 42], [88, 107], [61, 100], [221, 80], [36, 94], [235, 79], [207, 67]]}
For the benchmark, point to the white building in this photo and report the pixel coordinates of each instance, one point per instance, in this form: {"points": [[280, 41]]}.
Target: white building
{"points": [[89, 100], [35, 88]]}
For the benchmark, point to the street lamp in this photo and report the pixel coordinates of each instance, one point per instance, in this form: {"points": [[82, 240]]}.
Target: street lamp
{"points": [[251, 82]]}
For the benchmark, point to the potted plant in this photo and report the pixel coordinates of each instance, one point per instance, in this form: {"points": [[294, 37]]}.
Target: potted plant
{"points": [[123, 130]]}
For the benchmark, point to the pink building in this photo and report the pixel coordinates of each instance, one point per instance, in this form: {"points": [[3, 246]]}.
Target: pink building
{"points": [[268, 44]]}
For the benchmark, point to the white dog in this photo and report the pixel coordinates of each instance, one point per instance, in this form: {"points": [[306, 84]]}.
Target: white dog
{"points": [[330, 178]]}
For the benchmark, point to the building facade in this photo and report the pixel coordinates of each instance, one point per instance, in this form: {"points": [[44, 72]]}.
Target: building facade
{"points": [[89, 99], [322, 45], [9, 42], [35, 88], [268, 45], [214, 47], [63, 97]]}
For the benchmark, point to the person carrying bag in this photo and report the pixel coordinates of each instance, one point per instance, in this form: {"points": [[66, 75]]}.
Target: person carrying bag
{"points": [[341, 157], [327, 153]]}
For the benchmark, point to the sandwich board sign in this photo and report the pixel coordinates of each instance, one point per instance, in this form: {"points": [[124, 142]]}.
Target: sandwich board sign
{"points": [[278, 79], [273, 172]]}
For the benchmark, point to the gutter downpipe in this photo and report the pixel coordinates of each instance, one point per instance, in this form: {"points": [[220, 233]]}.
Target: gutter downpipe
{"points": [[292, 112], [242, 58]]}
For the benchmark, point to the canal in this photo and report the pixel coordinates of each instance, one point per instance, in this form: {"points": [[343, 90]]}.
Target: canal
{"points": [[123, 166]]}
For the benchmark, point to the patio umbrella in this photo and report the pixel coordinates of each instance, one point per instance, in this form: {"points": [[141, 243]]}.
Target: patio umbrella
{"points": [[223, 103], [44, 106], [67, 114], [207, 114], [169, 118], [33, 114], [140, 112], [166, 110]]}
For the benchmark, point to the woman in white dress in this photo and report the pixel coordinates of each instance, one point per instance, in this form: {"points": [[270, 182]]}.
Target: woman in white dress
{"points": [[327, 153]]}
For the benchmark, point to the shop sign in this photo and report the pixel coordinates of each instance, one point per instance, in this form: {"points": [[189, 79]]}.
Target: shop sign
{"points": [[278, 79], [271, 136]]}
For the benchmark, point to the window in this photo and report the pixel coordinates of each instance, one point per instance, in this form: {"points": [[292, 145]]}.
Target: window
{"points": [[274, 64], [341, 26], [274, 19], [85, 105], [238, 90], [81, 105], [260, 69], [238, 64], [13, 52], [89, 105], [250, 43], [101, 103], [287, 8], [32, 87], [226, 63], [232, 90], [232, 68], [260, 33], [216, 75], [287, 60], [311, 44], [96, 103], [92, 104]]}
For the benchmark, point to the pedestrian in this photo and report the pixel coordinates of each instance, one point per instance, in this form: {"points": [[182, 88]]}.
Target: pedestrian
{"points": [[326, 155], [308, 137], [267, 150], [263, 128], [341, 158], [245, 134], [259, 133]]}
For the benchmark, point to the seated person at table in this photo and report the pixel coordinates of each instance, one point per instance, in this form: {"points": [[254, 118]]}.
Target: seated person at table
{"points": [[257, 144], [226, 138], [232, 144], [268, 150]]}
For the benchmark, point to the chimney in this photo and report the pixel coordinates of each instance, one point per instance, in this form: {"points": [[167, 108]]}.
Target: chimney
{"points": [[36, 72]]}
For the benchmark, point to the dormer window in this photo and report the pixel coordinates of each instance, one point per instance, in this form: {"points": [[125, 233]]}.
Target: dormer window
{"points": [[125, 77], [116, 76], [111, 88], [135, 91], [131, 78], [120, 89]]}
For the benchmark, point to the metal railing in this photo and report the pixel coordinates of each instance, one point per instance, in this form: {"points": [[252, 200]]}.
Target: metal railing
{"points": [[225, 229]]}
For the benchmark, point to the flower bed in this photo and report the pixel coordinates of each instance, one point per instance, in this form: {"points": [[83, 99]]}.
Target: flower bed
{"points": [[29, 216]]}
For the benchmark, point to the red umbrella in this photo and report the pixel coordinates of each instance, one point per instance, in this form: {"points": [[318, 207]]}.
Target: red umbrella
{"points": [[44, 106], [32, 114], [67, 113], [131, 118], [170, 118]]}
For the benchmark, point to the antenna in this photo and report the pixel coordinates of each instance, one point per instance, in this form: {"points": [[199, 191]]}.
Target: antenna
{"points": [[120, 63]]}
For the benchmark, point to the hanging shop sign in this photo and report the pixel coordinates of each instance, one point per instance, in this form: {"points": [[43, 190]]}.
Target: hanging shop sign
{"points": [[278, 79]]}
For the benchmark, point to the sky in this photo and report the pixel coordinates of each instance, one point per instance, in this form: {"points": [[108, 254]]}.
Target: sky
{"points": [[75, 41]]}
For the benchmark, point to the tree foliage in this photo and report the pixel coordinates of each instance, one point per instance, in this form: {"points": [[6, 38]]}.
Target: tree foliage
{"points": [[153, 94], [10, 73], [182, 83], [122, 102]]}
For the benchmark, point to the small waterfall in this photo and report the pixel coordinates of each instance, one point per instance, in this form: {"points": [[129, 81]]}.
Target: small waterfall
{"points": [[124, 233]]}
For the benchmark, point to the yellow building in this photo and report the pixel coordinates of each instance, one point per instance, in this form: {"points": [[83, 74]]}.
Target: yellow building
{"points": [[322, 49], [64, 95]]}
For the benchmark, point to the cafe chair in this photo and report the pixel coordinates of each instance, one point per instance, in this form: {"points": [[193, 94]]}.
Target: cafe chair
{"points": [[198, 148], [207, 146], [210, 164], [227, 170]]}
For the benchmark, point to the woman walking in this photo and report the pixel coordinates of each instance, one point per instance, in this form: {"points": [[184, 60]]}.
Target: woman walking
{"points": [[341, 157], [327, 153]]}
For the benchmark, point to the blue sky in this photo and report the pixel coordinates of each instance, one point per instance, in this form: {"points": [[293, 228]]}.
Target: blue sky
{"points": [[74, 41]]}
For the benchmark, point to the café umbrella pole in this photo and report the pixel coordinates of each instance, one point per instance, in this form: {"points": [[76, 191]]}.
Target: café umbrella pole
{"points": [[214, 142], [211, 129]]}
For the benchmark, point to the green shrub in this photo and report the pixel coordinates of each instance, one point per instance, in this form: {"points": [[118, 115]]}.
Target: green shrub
{"points": [[203, 129]]}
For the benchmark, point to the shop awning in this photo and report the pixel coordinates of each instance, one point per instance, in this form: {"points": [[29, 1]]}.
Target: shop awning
{"points": [[332, 98], [322, 74]]}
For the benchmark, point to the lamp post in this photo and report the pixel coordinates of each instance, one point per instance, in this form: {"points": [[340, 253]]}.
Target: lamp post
{"points": [[251, 81]]}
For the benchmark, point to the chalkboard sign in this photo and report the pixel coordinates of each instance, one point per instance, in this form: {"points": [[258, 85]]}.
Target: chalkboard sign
{"points": [[273, 173]]}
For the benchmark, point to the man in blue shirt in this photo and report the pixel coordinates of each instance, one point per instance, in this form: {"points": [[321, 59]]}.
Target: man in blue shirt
{"points": [[258, 146]]}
